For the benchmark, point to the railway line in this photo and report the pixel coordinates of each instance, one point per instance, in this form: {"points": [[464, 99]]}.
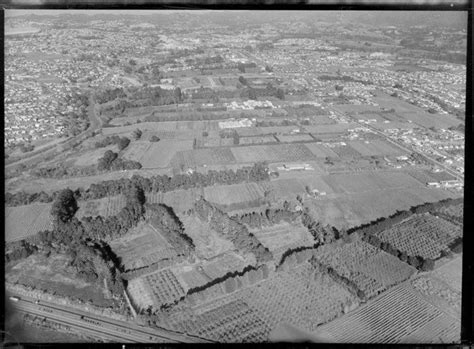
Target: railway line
{"points": [[99, 326]]}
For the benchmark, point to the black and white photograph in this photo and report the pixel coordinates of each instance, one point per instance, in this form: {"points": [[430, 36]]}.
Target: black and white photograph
{"points": [[234, 176]]}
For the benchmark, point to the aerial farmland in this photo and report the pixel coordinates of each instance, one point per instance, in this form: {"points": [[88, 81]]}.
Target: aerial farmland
{"points": [[259, 177]]}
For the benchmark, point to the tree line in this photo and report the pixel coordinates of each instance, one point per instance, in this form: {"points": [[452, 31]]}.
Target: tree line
{"points": [[232, 230], [160, 183]]}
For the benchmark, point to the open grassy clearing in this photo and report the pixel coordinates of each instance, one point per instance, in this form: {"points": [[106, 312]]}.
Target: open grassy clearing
{"points": [[142, 247], [54, 274], [91, 157], [403, 125], [369, 181], [390, 318], [105, 207], [199, 157], [422, 235], [272, 153], [180, 200], [158, 155], [344, 211], [243, 194], [223, 264], [190, 277], [208, 243], [23, 221], [281, 237], [374, 148]]}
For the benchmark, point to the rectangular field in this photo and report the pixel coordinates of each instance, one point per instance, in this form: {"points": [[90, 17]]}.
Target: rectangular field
{"points": [[321, 151], [422, 235], [207, 241], [295, 138], [23, 221], [395, 316], [223, 264], [199, 157], [345, 211], [142, 247], [231, 195], [257, 140], [272, 153], [282, 237], [375, 148], [159, 155]]}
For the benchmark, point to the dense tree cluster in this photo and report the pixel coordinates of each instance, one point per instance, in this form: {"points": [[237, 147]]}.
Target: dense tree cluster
{"points": [[321, 234], [111, 162], [109, 140], [64, 206], [231, 230], [271, 216], [164, 219]]}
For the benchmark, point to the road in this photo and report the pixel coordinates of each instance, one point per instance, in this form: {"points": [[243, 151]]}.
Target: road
{"points": [[395, 142], [101, 327]]}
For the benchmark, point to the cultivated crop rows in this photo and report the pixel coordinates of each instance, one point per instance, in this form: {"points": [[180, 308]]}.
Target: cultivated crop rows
{"points": [[231, 322], [320, 151], [372, 270], [438, 292], [396, 314], [443, 329], [295, 138], [302, 297], [421, 235], [165, 287], [23, 221]]}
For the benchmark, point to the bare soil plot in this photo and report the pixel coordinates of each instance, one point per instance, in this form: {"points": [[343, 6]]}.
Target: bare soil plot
{"points": [[390, 318], [272, 153], [346, 151], [422, 235], [23, 221], [208, 243], [55, 275], [142, 247], [231, 196], [217, 142], [200, 157]]}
